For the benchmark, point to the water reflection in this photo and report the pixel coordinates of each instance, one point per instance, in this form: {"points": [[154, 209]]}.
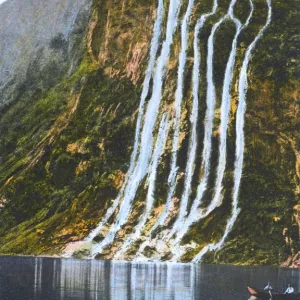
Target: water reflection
{"points": [[63, 279]]}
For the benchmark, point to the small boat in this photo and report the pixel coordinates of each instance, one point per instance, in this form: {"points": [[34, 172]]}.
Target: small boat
{"points": [[261, 294]]}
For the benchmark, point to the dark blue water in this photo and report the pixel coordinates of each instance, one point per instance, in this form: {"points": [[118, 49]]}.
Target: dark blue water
{"points": [[26, 278]]}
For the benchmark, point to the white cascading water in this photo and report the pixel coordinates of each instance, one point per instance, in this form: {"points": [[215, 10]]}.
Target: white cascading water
{"points": [[146, 143], [194, 120], [147, 154], [177, 105], [225, 110], [158, 151], [195, 215], [209, 120], [153, 52], [240, 139], [194, 117]]}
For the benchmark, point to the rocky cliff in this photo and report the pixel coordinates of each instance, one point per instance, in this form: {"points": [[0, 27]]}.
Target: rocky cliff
{"points": [[70, 91]]}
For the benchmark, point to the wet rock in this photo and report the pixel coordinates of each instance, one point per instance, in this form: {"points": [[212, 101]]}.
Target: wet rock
{"points": [[148, 251], [98, 238], [155, 232], [167, 256], [292, 261], [105, 254], [81, 253]]}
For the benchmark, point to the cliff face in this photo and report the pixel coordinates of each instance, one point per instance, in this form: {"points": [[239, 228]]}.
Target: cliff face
{"points": [[67, 134]]}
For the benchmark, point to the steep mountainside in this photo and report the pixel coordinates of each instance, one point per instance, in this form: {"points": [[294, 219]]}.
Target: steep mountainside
{"points": [[71, 78]]}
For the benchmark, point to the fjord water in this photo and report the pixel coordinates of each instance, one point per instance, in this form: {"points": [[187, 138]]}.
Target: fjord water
{"points": [[32, 278]]}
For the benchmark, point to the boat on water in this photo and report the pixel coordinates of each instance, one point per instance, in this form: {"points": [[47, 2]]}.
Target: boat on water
{"points": [[261, 294]]}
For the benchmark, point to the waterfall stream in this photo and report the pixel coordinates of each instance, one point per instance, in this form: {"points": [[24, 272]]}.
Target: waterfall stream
{"points": [[153, 128], [196, 214], [146, 141], [177, 105], [153, 52], [240, 139], [158, 151]]}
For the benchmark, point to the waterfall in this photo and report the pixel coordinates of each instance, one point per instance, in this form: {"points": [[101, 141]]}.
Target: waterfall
{"points": [[158, 151], [194, 120], [177, 105], [209, 119], [146, 141], [148, 148], [153, 52], [195, 214], [194, 117], [225, 110], [240, 139]]}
